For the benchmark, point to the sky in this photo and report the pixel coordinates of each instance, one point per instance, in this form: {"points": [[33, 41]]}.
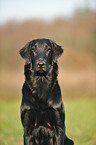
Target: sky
{"points": [[21, 10]]}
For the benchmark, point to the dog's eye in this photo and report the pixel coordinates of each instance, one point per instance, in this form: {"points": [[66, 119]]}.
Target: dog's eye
{"points": [[47, 48], [34, 49]]}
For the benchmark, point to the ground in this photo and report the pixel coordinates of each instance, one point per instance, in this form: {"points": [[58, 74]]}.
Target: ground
{"points": [[80, 121]]}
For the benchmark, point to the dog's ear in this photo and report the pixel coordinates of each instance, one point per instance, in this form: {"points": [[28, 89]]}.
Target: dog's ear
{"points": [[24, 52], [57, 51]]}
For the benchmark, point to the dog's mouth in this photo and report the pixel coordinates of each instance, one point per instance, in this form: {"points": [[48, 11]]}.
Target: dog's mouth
{"points": [[40, 73], [40, 70]]}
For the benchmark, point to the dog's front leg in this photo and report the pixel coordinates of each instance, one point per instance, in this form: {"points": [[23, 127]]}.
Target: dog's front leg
{"points": [[59, 139], [28, 140]]}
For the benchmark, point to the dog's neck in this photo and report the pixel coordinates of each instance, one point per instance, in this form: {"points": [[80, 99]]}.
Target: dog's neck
{"points": [[40, 86]]}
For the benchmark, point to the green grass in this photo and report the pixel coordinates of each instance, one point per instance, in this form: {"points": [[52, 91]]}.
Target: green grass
{"points": [[80, 122], [10, 126]]}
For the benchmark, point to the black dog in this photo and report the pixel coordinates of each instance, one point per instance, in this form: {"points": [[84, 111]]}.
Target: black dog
{"points": [[42, 110]]}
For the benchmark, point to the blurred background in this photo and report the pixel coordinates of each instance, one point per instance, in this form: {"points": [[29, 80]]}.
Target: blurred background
{"points": [[72, 24]]}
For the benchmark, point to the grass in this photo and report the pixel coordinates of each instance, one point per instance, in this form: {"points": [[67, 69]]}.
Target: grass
{"points": [[80, 122], [10, 126]]}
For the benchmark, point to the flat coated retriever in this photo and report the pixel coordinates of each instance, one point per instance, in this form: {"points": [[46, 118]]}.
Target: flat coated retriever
{"points": [[42, 110]]}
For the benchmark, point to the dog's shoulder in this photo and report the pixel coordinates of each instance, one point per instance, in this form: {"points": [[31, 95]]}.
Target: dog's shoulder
{"points": [[55, 98]]}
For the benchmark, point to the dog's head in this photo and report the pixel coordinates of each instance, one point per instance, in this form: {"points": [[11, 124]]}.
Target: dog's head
{"points": [[42, 54]]}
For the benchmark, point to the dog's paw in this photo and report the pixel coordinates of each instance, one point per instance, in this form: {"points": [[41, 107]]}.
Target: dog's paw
{"points": [[68, 141]]}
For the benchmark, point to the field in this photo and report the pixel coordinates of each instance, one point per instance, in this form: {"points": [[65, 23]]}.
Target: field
{"points": [[80, 121], [77, 74]]}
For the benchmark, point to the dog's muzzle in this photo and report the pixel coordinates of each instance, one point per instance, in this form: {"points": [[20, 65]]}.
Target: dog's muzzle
{"points": [[40, 67]]}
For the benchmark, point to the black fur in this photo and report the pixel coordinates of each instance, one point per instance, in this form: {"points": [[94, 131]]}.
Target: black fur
{"points": [[42, 110]]}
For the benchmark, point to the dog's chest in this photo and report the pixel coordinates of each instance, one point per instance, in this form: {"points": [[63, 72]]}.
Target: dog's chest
{"points": [[41, 87], [46, 118]]}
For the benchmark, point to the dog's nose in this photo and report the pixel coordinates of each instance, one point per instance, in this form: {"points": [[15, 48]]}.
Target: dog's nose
{"points": [[40, 63]]}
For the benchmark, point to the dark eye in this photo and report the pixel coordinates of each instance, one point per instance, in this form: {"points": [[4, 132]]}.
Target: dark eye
{"points": [[47, 48], [34, 48]]}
